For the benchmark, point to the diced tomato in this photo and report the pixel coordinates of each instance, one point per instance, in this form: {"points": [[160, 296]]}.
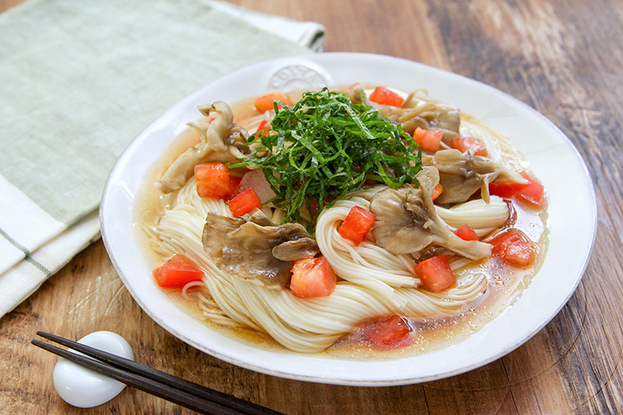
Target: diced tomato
{"points": [[437, 191], [427, 139], [357, 224], [513, 248], [213, 180], [435, 274], [384, 96], [505, 189], [267, 102], [244, 203], [389, 333], [466, 233], [501, 237], [264, 126], [531, 192], [177, 272], [468, 143], [312, 277]]}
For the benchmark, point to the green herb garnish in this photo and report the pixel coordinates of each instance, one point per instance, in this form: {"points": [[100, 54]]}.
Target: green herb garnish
{"points": [[325, 147]]}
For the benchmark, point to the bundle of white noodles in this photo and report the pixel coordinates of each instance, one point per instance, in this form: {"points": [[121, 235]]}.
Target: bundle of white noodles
{"points": [[372, 282]]}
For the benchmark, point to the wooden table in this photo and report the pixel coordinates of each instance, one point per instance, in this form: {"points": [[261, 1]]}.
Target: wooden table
{"points": [[563, 58]]}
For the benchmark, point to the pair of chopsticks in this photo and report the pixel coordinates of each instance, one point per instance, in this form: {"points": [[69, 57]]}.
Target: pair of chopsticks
{"points": [[169, 387]]}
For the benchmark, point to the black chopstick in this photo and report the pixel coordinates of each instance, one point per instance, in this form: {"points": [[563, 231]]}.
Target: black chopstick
{"points": [[166, 386]]}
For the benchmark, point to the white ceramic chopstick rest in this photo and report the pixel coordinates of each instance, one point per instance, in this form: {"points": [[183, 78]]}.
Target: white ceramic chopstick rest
{"points": [[84, 388]]}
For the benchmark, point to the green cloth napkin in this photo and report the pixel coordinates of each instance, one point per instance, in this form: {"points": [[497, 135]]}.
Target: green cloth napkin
{"points": [[78, 81]]}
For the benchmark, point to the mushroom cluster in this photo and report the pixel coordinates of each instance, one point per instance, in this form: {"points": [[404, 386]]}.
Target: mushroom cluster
{"points": [[406, 221], [255, 249]]}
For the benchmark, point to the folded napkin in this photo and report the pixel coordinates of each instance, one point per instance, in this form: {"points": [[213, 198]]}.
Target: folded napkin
{"points": [[78, 81]]}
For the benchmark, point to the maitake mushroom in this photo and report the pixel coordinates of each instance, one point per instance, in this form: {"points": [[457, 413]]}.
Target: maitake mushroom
{"points": [[462, 174], [406, 221], [221, 141], [255, 249]]}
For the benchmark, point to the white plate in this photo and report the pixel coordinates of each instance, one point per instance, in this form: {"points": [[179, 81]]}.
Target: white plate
{"points": [[554, 160]]}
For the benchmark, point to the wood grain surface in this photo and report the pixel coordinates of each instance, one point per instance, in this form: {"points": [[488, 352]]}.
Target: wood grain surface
{"points": [[563, 58]]}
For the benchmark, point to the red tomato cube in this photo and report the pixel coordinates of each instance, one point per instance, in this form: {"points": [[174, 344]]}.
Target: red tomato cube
{"points": [[389, 333], [312, 277], [244, 203], [531, 192], [357, 224], [177, 272], [384, 96], [466, 233], [267, 102], [468, 143], [514, 248], [214, 181], [435, 274], [428, 140]]}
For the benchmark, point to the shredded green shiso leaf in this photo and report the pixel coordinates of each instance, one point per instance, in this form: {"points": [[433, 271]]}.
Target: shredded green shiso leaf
{"points": [[325, 147]]}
